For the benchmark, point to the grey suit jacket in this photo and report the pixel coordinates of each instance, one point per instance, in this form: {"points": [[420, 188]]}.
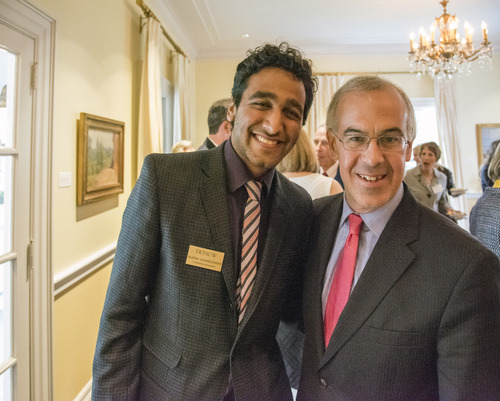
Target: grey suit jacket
{"points": [[206, 145], [169, 330], [422, 323]]}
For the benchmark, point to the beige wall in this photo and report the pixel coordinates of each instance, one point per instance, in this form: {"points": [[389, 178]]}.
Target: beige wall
{"points": [[77, 313], [96, 71], [97, 48]]}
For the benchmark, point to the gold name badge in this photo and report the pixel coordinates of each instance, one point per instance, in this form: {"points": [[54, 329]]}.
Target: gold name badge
{"points": [[204, 258]]}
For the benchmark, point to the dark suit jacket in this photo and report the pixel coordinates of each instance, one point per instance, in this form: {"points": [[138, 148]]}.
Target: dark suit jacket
{"points": [[422, 323], [206, 145], [169, 330]]}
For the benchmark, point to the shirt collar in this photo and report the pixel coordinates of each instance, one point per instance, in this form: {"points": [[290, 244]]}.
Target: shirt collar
{"points": [[377, 220], [238, 173]]}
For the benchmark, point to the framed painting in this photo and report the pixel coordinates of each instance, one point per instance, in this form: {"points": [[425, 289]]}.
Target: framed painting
{"points": [[100, 158], [486, 134]]}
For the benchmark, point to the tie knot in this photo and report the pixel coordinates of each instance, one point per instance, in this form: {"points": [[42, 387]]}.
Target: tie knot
{"points": [[355, 222], [254, 189]]}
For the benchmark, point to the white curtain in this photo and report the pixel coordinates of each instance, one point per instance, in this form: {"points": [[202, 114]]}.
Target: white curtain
{"points": [[327, 86], [447, 120], [150, 108], [181, 98]]}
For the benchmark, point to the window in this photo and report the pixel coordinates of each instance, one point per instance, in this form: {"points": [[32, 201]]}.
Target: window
{"points": [[427, 129]]}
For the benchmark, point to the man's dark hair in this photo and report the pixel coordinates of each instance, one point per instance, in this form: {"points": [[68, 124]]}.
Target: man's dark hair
{"points": [[280, 56], [217, 114]]}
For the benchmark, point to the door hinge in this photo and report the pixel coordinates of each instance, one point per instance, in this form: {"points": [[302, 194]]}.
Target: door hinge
{"points": [[34, 76], [29, 260]]}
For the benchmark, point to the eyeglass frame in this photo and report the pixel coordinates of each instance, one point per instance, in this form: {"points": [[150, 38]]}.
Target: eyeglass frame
{"points": [[404, 142]]}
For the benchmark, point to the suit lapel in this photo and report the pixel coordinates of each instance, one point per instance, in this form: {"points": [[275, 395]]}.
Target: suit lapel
{"points": [[388, 261], [213, 192], [326, 223]]}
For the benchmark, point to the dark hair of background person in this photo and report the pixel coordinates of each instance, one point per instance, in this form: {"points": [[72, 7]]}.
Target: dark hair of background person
{"points": [[301, 158], [280, 56], [217, 114], [368, 83], [433, 147]]}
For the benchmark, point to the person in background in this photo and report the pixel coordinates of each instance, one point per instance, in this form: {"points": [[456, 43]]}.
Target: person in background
{"points": [[428, 184], [485, 215], [483, 173], [219, 129], [183, 147], [400, 303], [211, 253], [300, 166], [327, 158], [416, 154]]}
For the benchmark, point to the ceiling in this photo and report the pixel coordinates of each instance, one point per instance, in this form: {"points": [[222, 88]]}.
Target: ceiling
{"points": [[214, 28]]}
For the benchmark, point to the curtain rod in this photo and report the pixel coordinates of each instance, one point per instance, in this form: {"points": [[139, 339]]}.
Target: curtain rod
{"points": [[363, 73], [148, 13]]}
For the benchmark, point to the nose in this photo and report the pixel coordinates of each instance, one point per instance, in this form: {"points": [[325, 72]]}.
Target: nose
{"points": [[273, 122], [373, 155]]}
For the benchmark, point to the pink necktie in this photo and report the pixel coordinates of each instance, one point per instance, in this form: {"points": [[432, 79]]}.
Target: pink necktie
{"points": [[249, 245], [342, 279]]}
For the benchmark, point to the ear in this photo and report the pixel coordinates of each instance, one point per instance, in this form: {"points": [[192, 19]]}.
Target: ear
{"points": [[231, 112], [332, 142]]}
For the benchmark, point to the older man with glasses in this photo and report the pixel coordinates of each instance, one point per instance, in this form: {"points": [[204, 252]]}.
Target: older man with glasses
{"points": [[403, 305]]}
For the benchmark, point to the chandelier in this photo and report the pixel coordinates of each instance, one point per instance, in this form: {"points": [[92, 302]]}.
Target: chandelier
{"points": [[450, 56]]}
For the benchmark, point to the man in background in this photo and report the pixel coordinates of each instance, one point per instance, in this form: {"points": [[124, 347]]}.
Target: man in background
{"points": [[210, 254], [327, 157], [219, 129], [400, 303]]}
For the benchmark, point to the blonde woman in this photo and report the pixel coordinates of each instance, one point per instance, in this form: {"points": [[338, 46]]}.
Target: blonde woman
{"points": [[301, 167]]}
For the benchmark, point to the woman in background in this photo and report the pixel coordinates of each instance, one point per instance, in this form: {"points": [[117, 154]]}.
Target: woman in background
{"points": [[300, 166], [427, 184], [483, 173], [485, 215]]}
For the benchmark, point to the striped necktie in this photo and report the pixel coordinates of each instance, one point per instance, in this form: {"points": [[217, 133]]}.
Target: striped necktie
{"points": [[342, 279], [249, 244]]}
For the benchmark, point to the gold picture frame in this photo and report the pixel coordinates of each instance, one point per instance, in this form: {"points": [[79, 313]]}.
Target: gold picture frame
{"points": [[99, 159]]}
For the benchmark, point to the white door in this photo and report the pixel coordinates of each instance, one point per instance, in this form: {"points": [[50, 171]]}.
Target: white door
{"points": [[16, 61]]}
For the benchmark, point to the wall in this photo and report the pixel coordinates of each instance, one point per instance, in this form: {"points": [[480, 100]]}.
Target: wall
{"points": [[96, 71], [478, 95]]}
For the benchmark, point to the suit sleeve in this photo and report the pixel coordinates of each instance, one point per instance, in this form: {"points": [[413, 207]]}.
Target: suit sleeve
{"points": [[117, 360], [469, 335]]}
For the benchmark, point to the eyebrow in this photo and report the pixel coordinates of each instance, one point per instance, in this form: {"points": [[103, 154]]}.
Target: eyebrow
{"points": [[272, 96], [391, 130]]}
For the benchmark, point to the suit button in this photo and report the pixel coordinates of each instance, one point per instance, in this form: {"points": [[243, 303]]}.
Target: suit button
{"points": [[429, 195], [322, 383]]}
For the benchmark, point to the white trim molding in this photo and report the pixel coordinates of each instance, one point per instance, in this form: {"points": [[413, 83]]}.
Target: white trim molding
{"points": [[80, 271], [34, 24]]}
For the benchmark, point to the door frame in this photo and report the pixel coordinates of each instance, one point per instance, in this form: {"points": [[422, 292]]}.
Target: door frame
{"points": [[33, 23]]}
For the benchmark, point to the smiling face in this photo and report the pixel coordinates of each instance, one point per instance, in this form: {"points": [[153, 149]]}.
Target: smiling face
{"points": [[268, 120], [371, 177]]}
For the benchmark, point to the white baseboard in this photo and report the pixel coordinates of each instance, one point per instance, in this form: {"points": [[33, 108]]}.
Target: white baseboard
{"points": [[86, 393]]}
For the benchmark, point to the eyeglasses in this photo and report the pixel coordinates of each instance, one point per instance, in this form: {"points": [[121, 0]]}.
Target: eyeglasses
{"points": [[387, 143]]}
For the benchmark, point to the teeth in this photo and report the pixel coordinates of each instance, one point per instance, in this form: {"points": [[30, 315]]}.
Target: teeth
{"points": [[370, 178], [266, 141]]}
